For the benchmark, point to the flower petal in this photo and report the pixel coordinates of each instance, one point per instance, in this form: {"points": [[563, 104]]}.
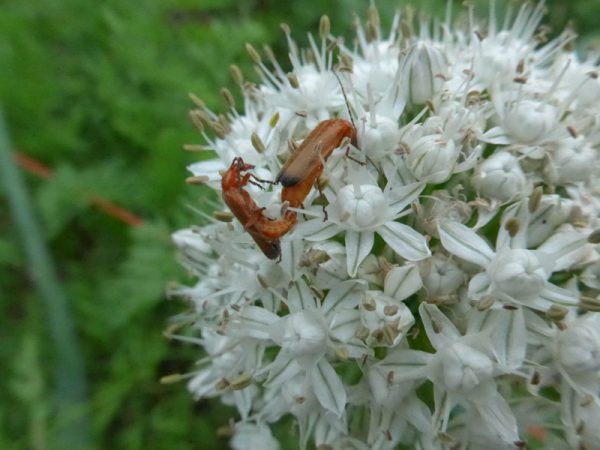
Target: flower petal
{"points": [[507, 239], [506, 328], [402, 282], [291, 251], [405, 241], [299, 297], [344, 324], [316, 230], [463, 242], [559, 296], [440, 330], [358, 246], [408, 365], [252, 321], [495, 135], [328, 387], [400, 197], [344, 295], [479, 286]]}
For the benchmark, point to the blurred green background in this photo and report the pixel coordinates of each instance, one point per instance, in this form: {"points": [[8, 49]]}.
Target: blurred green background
{"points": [[97, 92]]}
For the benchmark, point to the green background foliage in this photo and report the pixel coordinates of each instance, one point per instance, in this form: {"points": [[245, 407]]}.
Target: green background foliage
{"points": [[98, 92]]}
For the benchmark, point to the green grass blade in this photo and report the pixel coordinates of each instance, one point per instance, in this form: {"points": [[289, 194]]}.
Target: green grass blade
{"points": [[71, 389]]}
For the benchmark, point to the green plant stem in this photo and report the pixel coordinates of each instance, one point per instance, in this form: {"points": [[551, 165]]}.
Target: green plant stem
{"points": [[71, 386]]}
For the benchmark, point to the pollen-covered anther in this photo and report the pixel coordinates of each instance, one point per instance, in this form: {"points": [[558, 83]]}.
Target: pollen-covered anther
{"points": [[197, 101], [362, 333], [219, 129], [223, 216], [324, 27], [172, 378], [197, 180], [253, 53], [535, 199], [274, 119], [341, 353], [485, 303], [588, 303], [241, 381], [390, 332], [196, 120], [346, 63], [222, 384], [257, 142], [313, 258], [556, 313], [227, 97], [293, 80], [390, 310], [473, 98], [194, 148], [594, 237], [512, 225], [236, 74], [262, 281], [369, 304]]}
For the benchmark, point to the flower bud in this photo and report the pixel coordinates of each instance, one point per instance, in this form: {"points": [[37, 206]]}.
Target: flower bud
{"points": [[427, 63], [441, 276], [432, 159], [572, 161], [493, 63], [380, 137], [463, 368], [361, 207], [518, 274], [500, 177], [529, 121], [578, 347]]}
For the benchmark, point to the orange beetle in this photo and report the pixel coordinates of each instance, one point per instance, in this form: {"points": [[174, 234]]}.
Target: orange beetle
{"points": [[305, 165], [265, 232]]}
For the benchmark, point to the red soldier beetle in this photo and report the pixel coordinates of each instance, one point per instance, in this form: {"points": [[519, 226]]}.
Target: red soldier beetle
{"points": [[265, 232], [303, 168]]}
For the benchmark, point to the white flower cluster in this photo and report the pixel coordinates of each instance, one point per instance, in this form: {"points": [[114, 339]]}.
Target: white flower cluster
{"points": [[443, 290]]}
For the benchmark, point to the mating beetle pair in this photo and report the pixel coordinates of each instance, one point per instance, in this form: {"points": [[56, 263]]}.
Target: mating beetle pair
{"points": [[298, 175]]}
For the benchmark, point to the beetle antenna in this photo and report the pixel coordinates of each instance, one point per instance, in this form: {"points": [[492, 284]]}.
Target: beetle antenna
{"points": [[345, 99]]}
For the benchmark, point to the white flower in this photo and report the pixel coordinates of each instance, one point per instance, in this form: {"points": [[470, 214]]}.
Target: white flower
{"points": [[427, 67], [501, 177], [580, 415], [249, 436], [572, 161], [518, 273], [432, 159], [363, 210], [529, 121], [441, 276], [512, 274], [386, 320], [577, 353], [450, 246]]}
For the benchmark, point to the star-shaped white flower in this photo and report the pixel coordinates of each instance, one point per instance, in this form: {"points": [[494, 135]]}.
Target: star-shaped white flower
{"points": [[361, 210]]}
